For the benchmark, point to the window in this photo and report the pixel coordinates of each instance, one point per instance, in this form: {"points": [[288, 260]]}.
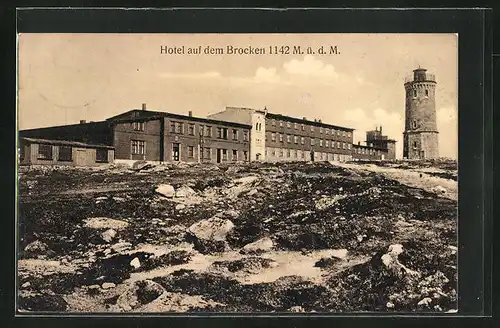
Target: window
{"points": [[333, 144], [414, 124], [273, 152], [273, 122], [191, 129], [138, 126], [288, 138], [296, 139], [207, 153], [312, 128], [326, 143], [281, 152], [138, 147], [224, 154], [176, 127], [101, 155], [273, 137], [190, 151], [348, 146], [427, 93], [245, 136], [343, 145], [338, 144], [222, 133], [281, 137], [235, 134], [288, 153], [312, 141], [208, 131], [326, 131], [281, 124], [302, 127], [414, 93], [343, 133], [338, 133], [302, 140], [348, 134], [45, 152], [65, 154], [414, 144], [245, 155], [202, 130], [287, 124], [235, 155], [320, 130], [321, 142], [296, 126]]}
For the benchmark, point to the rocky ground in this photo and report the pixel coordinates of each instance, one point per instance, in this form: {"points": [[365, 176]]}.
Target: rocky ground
{"points": [[288, 237]]}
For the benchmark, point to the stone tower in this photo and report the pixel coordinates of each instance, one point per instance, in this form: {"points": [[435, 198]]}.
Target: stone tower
{"points": [[420, 138]]}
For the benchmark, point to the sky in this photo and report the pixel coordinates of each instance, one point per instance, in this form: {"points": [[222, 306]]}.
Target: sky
{"points": [[65, 78]]}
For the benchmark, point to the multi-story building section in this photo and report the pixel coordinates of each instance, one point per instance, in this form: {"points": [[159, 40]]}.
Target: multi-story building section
{"points": [[365, 152], [234, 134], [276, 137], [256, 119], [141, 134], [375, 139]]}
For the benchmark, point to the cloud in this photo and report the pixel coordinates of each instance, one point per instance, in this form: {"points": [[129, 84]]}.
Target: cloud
{"points": [[267, 75], [310, 66]]}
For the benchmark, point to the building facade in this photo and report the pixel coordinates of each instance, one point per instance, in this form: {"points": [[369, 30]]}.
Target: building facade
{"points": [[232, 135], [166, 137], [277, 137], [420, 138], [65, 153]]}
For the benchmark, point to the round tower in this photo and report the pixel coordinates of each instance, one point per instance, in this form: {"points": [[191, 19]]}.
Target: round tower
{"points": [[420, 135]]}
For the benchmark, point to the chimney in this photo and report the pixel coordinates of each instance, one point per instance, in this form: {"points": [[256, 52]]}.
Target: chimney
{"points": [[83, 121], [319, 120], [359, 143], [190, 113], [143, 106], [304, 118], [381, 130]]}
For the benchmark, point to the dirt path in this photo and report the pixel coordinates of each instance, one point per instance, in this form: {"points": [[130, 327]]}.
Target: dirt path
{"points": [[417, 178]]}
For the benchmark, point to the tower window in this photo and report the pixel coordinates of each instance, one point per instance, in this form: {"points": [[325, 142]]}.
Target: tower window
{"points": [[414, 124], [427, 93], [414, 93], [414, 144]]}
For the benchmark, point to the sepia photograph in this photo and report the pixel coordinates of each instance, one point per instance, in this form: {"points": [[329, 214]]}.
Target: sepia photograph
{"points": [[237, 173]]}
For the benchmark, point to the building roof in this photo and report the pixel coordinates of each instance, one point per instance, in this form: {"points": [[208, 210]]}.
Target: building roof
{"points": [[65, 143], [302, 121], [150, 115]]}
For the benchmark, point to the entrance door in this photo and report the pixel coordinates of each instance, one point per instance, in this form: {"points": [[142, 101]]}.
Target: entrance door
{"points": [[176, 151], [219, 155]]}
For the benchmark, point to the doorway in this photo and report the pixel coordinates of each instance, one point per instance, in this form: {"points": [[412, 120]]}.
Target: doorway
{"points": [[219, 155], [176, 151]]}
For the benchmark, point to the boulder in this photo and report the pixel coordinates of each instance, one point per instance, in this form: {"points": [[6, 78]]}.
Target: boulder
{"points": [[37, 248], [135, 263], [184, 191], [120, 247], [166, 190], [108, 235], [246, 180], [252, 192], [179, 207], [108, 285], [213, 229], [261, 245], [438, 190]]}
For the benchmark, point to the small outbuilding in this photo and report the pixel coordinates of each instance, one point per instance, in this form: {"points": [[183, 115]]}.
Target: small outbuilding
{"points": [[33, 151]]}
